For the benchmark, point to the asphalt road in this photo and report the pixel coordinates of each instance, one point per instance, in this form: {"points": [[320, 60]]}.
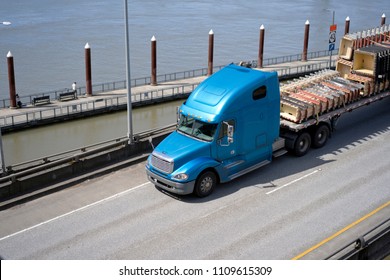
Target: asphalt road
{"points": [[276, 212]]}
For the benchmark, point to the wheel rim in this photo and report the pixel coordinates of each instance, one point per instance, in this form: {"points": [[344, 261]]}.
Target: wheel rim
{"points": [[206, 184], [321, 136], [303, 144]]}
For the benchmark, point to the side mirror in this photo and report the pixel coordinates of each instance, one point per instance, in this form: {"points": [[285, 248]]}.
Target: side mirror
{"points": [[230, 132], [177, 115]]}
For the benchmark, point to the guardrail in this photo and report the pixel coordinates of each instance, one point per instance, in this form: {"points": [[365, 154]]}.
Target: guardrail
{"points": [[111, 86], [296, 57], [288, 72], [373, 245], [15, 171], [27, 180]]}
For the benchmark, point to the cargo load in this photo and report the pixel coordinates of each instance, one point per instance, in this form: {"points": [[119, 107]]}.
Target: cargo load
{"points": [[317, 94], [364, 57]]}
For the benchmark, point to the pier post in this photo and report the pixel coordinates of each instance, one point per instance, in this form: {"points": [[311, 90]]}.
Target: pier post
{"points": [[153, 79], [383, 20], [261, 47], [88, 70], [11, 80], [211, 53], [306, 41], [346, 29]]}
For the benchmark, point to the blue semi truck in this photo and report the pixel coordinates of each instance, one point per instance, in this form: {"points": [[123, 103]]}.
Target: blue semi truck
{"points": [[232, 124]]}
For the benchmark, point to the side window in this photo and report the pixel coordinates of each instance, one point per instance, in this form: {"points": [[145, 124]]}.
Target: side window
{"points": [[223, 130], [259, 93]]}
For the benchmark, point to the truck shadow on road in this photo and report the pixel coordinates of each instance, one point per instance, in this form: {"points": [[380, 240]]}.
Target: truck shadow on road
{"points": [[354, 129]]}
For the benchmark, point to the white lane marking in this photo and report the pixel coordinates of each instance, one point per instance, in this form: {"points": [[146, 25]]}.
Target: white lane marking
{"points": [[74, 211], [215, 211], [294, 181]]}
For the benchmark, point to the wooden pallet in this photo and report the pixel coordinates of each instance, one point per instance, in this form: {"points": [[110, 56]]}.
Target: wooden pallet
{"points": [[316, 94], [344, 67], [293, 110], [366, 82]]}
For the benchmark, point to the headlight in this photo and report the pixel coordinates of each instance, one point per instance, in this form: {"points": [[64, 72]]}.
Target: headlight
{"points": [[181, 176]]}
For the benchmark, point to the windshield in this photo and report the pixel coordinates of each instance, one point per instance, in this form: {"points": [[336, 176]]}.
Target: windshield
{"points": [[196, 128]]}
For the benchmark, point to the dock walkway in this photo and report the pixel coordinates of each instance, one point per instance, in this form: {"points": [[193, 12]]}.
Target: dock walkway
{"points": [[108, 101]]}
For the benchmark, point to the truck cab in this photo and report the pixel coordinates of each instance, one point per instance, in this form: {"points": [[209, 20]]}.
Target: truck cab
{"points": [[226, 128]]}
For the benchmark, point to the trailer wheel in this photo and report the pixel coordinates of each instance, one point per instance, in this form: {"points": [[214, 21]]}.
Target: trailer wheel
{"points": [[205, 184], [320, 136], [302, 144]]}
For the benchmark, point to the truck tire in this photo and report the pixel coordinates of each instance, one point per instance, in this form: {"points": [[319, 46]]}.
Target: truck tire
{"points": [[302, 144], [320, 136], [205, 184]]}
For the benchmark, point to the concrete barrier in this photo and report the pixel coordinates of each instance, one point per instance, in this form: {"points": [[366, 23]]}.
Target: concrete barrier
{"points": [[57, 175]]}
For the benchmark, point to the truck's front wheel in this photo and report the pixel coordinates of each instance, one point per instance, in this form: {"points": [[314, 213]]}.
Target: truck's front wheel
{"points": [[205, 184]]}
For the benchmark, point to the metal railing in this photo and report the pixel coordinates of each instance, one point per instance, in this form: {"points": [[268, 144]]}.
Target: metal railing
{"points": [[296, 57], [116, 85], [286, 72], [41, 114], [374, 244], [19, 170]]}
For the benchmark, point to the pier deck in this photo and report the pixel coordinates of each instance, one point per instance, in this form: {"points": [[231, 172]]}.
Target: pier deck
{"points": [[108, 101]]}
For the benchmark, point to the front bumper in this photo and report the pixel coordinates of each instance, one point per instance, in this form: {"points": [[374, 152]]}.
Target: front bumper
{"points": [[170, 186]]}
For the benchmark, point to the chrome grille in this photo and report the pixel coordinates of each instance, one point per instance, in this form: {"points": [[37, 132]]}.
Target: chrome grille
{"points": [[162, 164]]}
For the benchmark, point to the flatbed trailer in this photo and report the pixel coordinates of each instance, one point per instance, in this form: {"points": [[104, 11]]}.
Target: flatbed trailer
{"points": [[314, 132]]}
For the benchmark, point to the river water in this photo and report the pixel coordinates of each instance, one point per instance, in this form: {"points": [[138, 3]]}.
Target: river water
{"points": [[48, 140], [47, 40]]}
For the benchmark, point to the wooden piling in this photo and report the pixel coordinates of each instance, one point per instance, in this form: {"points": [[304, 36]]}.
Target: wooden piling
{"points": [[11, 80], [346, 29], [211, 53], [88, 70], [306, 41], [153, 79], [261, 47]]}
